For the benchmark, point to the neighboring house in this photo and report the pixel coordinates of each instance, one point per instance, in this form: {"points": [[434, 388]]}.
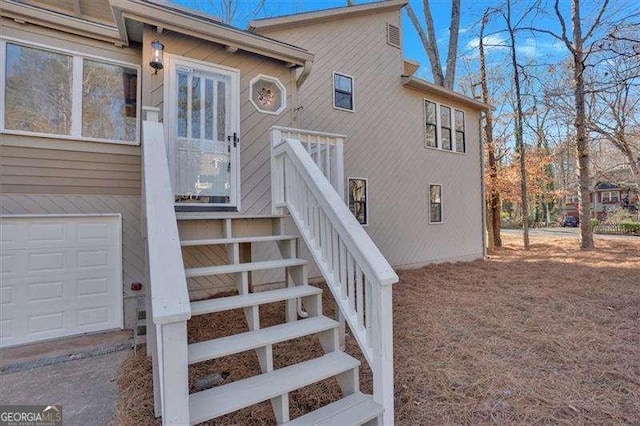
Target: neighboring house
{"points": [[146, 143], [604, 198]]}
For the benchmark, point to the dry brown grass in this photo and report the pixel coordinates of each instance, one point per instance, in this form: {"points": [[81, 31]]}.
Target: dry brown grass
{"points": [[546, 336]]}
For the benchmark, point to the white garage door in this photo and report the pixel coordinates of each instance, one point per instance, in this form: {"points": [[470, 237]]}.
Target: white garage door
{"points": [[60, 276]]}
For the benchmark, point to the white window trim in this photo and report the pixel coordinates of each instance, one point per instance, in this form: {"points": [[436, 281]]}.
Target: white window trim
{"points": [[441, 204], [353, 91], [439, 128], [274, 80], [366, 197], [76, 93]]}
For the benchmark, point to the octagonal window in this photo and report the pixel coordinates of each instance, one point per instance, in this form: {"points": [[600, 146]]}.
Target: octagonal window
{"points": [[267, 94]]}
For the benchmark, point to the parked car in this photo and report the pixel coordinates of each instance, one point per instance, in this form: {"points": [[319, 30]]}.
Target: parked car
{"points": [[571, 221]]}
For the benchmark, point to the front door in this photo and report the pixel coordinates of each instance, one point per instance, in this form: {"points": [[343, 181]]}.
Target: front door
{"points": [[203, 127]]}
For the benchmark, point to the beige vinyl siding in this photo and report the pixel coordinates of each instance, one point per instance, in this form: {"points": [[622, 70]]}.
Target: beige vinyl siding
{"points": [[254, 125], [47, 165], [133, 263], [385, 142]]}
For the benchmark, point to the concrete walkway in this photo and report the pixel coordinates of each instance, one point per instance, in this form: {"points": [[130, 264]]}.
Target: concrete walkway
{"points": [[86, 388]]}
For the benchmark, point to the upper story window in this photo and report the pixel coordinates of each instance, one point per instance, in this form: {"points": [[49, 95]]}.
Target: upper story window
{"points": [[343, 92], [358, 199], [51, 92], [431, 125], [460, 132], [444, 127]]}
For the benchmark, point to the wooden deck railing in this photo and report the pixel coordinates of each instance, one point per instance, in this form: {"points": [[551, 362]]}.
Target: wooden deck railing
{"points": [[355, 271], [167, 295], [326, 150]]}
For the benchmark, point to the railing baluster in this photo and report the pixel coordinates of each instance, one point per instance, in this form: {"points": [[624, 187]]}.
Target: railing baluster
{"points": [[367, 307], [350, 283], [359, 296], [343, 269]]}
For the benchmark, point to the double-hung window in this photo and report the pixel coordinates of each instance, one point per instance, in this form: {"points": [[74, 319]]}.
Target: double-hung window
{"points": [[431, 124], [51, 92], [460, 135], [343, 92], [444, 127], [435, 203]]}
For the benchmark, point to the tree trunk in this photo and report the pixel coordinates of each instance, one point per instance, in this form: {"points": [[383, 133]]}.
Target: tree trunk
{"points": [[452, 55], [582, 146], [518, 130], [493, 202]]}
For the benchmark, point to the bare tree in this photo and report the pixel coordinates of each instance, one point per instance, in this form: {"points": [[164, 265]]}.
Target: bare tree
{"points": [[229, 10], [613, 102], [518, 128], [493, 199], [576, 47], [429, 42]]}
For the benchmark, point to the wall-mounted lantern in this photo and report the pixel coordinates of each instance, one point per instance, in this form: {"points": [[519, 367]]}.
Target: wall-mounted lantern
{"points": [[156, 56]]}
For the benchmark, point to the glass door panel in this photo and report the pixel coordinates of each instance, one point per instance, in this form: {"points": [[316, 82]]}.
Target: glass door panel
{"points": [[204, 154]]}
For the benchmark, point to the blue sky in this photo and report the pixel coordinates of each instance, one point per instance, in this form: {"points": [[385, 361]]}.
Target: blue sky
{"points": [[529, 47], [533, 49]]}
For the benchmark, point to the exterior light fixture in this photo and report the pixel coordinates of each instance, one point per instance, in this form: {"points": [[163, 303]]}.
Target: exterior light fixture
{"points": [[156, 56]]}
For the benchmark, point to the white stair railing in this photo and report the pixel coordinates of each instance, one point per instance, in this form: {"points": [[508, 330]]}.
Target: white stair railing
{"points": [[326, 150], [168, 307], [355, 271]]}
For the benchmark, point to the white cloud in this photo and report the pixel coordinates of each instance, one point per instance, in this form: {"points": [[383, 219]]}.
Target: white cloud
{"points": [[493, 41]]}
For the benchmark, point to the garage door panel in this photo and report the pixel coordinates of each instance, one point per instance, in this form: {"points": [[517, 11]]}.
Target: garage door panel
{"points": [[53, 291], [48, 292]]}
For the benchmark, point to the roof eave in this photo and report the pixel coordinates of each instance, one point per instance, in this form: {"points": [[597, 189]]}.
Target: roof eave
{"points": [[295, 20], [157, 15], [428, 88], [21, 12]]}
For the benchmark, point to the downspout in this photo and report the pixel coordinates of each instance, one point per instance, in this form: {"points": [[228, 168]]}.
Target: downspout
{"points": [[306, 70], [482, 191]]}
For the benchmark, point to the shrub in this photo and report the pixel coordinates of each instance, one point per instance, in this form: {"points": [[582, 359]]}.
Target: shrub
{"points": [[630, 227], [594, 222]]}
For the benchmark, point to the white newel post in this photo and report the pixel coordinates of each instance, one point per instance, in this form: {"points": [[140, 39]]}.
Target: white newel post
{"points": [[175, 373], [277, 175], [383, 392]]}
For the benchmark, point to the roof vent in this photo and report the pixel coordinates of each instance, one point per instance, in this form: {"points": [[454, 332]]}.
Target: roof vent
{"points": [[393, 35]]}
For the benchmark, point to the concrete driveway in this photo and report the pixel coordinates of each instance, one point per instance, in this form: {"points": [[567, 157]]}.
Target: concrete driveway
{"points": [[82, 378]]}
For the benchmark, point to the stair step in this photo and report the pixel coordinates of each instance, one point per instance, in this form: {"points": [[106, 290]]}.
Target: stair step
{"points": [[242, 267], [354, 409], [221, 216], [221, 400], [252, 299], [238, 240], [216, 348]]}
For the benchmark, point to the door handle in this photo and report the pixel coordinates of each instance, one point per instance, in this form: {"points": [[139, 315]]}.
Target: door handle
{"points": [[233, 139]]}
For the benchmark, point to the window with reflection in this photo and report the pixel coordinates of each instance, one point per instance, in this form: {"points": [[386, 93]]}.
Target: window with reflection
{"points": [[42, 96], [357, 188]]}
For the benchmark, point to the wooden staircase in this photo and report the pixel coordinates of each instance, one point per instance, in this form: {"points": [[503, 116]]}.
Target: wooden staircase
{"points": [[354, 408]]}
